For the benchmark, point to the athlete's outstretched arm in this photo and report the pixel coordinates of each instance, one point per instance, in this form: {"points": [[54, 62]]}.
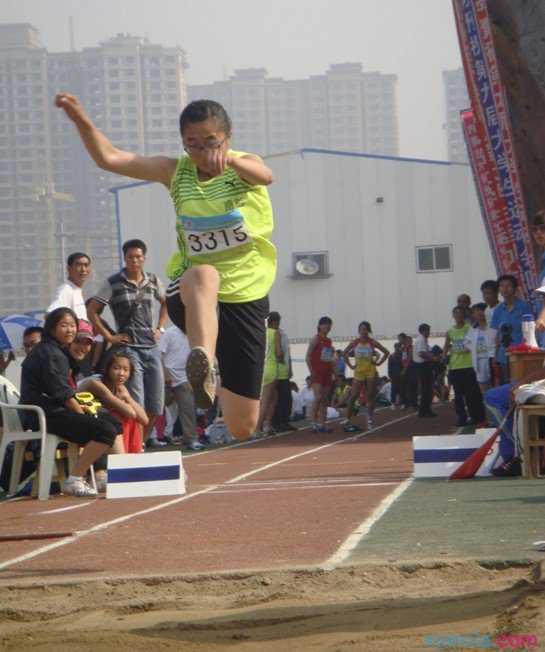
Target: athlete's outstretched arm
{"points": [[251, 169], [107, 156]]}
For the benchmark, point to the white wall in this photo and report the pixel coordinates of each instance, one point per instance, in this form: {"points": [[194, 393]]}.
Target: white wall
{"points": [[147, 213], [327, 202]]}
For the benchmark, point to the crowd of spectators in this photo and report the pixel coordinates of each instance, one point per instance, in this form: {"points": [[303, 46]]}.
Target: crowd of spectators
{"points": [[130, 366]]}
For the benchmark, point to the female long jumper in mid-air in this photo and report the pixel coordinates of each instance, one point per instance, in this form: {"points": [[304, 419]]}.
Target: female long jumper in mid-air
{"points": [[225, 264]]}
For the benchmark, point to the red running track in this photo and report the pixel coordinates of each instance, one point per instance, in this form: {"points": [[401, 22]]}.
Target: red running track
{"points": [[282, 502]]}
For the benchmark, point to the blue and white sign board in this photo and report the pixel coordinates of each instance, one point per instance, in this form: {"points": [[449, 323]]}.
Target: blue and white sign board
{"points": [[145, 474], [438, 456]]}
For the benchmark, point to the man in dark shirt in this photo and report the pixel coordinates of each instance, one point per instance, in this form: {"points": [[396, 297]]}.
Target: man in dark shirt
{"points": [[130, 294]]}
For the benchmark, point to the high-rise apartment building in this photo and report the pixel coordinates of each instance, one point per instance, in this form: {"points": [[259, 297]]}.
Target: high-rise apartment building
{"points": [[456, 99], [54, 199], [345, 109], [27, 220]]}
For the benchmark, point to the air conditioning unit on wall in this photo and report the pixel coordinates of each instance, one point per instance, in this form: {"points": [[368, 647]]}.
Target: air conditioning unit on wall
{"points": [[310, 264]]}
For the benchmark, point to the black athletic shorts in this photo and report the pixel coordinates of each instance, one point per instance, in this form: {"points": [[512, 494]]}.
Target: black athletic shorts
{"points": [[241, 341]]}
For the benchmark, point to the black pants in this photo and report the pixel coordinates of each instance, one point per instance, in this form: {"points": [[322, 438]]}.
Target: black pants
{"points": [[83, 428], [425, 383], [282, 411], [409, 386], [467, 392], [396, 389]]}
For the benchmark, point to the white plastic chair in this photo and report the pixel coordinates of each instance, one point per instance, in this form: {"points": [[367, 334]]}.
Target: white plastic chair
{"points": [[14, 432]]}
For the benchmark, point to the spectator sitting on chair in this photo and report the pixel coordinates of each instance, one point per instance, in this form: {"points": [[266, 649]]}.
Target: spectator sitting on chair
{"points": [[46, 381]]}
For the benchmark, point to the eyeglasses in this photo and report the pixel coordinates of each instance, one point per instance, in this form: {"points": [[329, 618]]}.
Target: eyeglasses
{"points": [[539, 228], [204, 148]]}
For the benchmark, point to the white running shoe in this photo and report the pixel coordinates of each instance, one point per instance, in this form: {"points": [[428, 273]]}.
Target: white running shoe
{"points": [[76, 486], [195, 446]]}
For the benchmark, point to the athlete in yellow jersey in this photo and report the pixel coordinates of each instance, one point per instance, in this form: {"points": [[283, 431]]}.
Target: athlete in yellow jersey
{"points": [[365, 350], [226, 262]]}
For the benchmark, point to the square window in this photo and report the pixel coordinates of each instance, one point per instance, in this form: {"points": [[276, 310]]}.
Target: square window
{"points": [[425, 260]]}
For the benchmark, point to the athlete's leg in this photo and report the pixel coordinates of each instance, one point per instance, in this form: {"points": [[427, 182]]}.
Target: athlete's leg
{"points": [[268, 403], [199, 288], [241, 357], [240, 413], [371, 393], [354, 395], [318, 391]]}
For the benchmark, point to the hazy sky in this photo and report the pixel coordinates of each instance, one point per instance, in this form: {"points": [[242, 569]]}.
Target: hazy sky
{"points": [[415, 39]]}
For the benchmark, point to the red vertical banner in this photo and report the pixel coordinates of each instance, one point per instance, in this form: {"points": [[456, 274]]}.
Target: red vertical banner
{"points": [[493, 205], [490, 144]]}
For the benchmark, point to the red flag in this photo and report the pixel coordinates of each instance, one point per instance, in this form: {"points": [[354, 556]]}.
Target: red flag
{"points": [[469, 468]]}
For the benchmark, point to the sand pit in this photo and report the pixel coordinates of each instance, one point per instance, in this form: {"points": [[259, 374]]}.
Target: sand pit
{"points": [[348, 609]]}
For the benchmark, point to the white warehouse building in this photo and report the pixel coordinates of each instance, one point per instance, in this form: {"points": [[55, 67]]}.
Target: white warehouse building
{"points": [[389, 240]]}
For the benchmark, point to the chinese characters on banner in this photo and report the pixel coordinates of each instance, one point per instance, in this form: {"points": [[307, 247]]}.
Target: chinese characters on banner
{"points": [[490, 145]]}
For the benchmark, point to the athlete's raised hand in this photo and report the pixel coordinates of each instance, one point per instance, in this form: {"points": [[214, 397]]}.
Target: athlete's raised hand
{"points": [[71, 106], [212, 160]]}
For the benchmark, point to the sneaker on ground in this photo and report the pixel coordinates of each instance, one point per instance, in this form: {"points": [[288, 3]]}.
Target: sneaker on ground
{"points": [[325, 429], [286, 427], [350, 427], [315, 427], [258, 434], [196, 446], [155, 443], [511, 469], [76, 486], [202, 378]]}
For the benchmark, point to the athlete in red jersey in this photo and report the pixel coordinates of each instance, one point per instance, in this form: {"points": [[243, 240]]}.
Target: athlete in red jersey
{"points": [[321, 363]]}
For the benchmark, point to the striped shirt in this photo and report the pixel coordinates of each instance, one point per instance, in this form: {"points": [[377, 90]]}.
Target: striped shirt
{"points": [[132, 305]]}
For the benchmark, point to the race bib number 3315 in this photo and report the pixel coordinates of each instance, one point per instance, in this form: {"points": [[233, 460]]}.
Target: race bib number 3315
{"points": [[208, 235]]}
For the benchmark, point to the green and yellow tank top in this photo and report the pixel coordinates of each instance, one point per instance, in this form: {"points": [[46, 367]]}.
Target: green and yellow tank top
{"points": [[270, 372], [460, 355], [227, 223]]}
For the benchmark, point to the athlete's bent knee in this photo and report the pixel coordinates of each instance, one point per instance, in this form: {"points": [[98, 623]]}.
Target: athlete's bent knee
{"points": [[241, 427], [203, 277]]}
